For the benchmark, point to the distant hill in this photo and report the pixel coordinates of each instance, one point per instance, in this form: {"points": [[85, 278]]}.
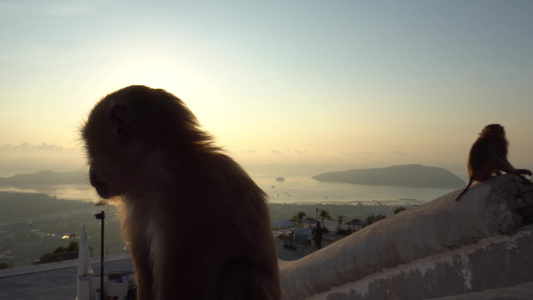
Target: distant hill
{"points": [[405, 176], [44, 178], [32, 224]]}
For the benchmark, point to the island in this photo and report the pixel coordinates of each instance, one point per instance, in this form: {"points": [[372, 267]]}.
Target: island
{"points": [[403, 175]]}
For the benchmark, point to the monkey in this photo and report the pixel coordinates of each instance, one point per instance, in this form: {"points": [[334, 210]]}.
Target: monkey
{"points": [[196, 224], [488, 157]]}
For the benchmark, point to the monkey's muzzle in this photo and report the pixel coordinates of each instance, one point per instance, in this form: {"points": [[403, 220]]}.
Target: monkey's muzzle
{"points": [[101, 187]]}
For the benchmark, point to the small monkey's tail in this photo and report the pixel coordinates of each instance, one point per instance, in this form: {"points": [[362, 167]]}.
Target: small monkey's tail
{"points": [[464, 191]]}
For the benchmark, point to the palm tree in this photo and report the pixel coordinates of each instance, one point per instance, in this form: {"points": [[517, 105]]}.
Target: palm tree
{"points": [[340, 219], [399, 209], [373, 218], [297, 218], [324, 214]]}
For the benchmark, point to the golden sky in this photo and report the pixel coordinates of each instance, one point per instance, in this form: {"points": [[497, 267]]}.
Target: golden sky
{"points": [[343, 84]]}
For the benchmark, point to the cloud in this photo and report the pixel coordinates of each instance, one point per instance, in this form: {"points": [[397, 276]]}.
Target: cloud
{"points": [[25, 158], [251, 151], [29, 148], [400, 153], [445, 153], [288, 151], [299, 152], [356, 154]]}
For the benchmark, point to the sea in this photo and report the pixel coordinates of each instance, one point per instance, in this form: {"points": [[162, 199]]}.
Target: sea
{"points": [[287, 184], [306, 190]]}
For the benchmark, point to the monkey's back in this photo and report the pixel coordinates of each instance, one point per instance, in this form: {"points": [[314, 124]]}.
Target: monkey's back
{"points": [[232, 238], [198, 227], [483, 149]]}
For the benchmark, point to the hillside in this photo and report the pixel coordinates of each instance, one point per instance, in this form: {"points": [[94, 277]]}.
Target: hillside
{"points": [[404, 175], [44, 178], [32, 224]]}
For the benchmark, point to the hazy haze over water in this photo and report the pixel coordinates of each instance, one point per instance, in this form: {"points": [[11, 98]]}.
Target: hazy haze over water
{"points": [[298, 187]]}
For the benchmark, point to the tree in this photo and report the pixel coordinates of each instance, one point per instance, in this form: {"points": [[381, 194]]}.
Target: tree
{"points": [[324, 214], [340, 220], [61, 253], [73, 246], [297, 218], [399, 209], [373, 218]]}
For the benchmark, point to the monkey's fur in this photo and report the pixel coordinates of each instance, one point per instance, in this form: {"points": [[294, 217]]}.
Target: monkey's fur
{"points": [[197, 226], [488, 157]]}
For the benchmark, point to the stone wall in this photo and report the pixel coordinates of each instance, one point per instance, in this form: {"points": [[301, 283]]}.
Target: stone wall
{"points": [[437, 249]]}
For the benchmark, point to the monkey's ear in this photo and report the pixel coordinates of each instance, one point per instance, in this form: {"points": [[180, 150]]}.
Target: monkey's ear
{"points": [[122, 123]]}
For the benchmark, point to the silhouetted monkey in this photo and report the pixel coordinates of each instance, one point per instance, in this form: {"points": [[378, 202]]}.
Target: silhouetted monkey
{"points": [[197, 226], [488, 157]]}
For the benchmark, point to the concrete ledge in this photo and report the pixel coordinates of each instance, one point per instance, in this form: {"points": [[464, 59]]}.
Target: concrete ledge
{"points": [[517, 292], [437, 249]]}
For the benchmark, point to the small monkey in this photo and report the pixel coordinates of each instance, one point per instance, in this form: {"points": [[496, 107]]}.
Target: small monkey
{"points": [[197, 226], [488, 157]]}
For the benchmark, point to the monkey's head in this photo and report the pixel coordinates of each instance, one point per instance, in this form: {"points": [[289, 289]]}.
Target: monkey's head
{"points": [[132, 134], [493, 129]]}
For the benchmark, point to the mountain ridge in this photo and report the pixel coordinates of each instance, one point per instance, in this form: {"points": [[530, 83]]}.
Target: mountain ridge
{"points": [[412, 175], [45, 177]]}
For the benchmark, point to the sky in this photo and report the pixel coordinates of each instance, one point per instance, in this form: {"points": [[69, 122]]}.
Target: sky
{"points": [[332, 84]]}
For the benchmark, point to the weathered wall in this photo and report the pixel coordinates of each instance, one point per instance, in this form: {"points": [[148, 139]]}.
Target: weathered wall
{"points": [[436, 249], [494, 263]]}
